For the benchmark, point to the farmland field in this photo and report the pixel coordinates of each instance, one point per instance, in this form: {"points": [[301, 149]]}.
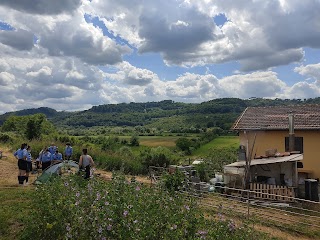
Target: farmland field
{"points": [[219, 142]]}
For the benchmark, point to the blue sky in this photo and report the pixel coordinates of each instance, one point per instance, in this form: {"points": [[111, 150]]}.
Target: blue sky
{"points": [[73, 54]]}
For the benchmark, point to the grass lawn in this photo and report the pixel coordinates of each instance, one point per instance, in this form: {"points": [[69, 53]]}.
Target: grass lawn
{"points": [[219, 142], [15, 205]]}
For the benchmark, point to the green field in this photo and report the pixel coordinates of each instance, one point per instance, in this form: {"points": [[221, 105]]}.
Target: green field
{"points": [[219, 142]]}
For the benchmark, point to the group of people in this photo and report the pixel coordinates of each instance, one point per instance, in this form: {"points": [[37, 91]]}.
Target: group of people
{"points": [[51, 155], [48, 156]]}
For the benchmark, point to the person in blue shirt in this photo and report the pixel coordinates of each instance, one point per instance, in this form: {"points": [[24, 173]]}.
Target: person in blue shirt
{"points": [[56, 157], [21, 155], [68, 151], [52, 148], [29, 163], [46, 159]]}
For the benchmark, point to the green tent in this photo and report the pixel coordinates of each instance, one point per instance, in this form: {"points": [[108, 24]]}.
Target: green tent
{"points": [[64, 168]]}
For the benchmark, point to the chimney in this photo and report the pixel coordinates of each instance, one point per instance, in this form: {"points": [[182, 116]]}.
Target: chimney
{"points": [[291, 133]]}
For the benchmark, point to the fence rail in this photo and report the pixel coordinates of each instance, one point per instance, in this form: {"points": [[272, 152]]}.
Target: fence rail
{"points": [[288, 212]]}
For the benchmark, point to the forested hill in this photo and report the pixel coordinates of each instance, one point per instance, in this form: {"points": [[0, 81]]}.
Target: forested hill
{"points": [[166, 115]]}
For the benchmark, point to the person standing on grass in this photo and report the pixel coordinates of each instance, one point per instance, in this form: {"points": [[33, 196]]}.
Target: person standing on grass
{"points": [[52, 148], [46, 159], [21, 155], [86, 162], [68, 151], [57, 157], [29, 164]]}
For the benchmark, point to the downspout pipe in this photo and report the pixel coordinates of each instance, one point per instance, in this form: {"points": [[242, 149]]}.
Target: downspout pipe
{"points": [[291, 133]]}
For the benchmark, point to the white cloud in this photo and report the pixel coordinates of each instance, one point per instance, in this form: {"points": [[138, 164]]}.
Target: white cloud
{"points": [[258, 84], [128, 74], [311, 70]]}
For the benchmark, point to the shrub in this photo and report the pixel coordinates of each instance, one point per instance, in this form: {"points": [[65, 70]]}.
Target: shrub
{"points": [[74, 208]]}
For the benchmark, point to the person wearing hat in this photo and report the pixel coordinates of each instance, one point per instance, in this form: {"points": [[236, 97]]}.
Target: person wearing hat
{"points": [[46, 159], [68, 151]]}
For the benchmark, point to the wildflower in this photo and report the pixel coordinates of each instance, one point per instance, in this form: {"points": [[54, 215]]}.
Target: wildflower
{"points": [[100, 230], [103, 238], [110, 219], [106, 203], [49, 225], [202, 234], [69, 235], [77, 203], [174, 227], [135, 221], [98, 196], [187, 207], [138, 188], [66, 184], [68, 228], [77, 194], [231, 226], [125, 213], [109, 227]]}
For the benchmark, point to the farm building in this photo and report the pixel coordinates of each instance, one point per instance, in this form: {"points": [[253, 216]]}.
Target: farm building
{"points": [[281, 130]]}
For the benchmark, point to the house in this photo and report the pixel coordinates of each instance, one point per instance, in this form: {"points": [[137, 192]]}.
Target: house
{"points": [[265, 129]]}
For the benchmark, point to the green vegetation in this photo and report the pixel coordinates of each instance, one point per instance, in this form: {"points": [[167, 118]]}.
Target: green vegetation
{"points": [[16, 205], [95, 209], [219, 142], [153, 118]]}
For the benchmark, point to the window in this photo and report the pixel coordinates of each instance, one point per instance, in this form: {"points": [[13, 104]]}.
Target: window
{"points": [[298, 144]]}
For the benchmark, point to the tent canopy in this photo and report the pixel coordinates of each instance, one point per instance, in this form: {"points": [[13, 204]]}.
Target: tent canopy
{"points": [[59, 169]]}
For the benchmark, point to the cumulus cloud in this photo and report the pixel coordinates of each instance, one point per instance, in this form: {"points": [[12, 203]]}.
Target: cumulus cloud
{"points": [[311, 70], [258, 84], [19, 39], [131, 75], [43, 6], [54, 56]]}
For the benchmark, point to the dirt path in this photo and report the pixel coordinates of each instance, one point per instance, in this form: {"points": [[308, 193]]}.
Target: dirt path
{"points": [[9, 169], [8, 178]]}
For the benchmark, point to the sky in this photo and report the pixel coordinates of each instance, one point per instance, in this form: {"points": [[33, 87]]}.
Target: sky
{"points": [[71, 55]]}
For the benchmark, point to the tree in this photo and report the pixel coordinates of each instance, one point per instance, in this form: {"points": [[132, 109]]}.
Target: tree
{"points": [[134, 141], [184, 144]]}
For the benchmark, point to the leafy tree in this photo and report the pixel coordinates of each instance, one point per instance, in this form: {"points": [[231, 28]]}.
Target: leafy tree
{"points": [[184, 144], [134, 141]]}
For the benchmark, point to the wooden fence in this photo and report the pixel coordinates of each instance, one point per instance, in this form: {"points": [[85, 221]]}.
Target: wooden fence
{"points": [[272, 192]]}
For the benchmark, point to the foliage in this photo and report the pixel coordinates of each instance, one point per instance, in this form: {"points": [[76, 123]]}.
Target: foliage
{"points": [[152, 118], [32, 126], [173, 181], [134, 141], [159, 156], [218, 157], [184, 144], [73, 208]]}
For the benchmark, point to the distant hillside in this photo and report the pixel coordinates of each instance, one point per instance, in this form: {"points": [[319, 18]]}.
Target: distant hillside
{"points": [[166, 115]]}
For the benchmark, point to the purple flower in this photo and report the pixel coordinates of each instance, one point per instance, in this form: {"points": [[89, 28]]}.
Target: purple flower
{"points": [[106, 203], [109, 227], [103, 238], [174, 227], [98, 196], [125, 213], [100, 230], [231, 226], [77, 194], [187, 207], [138, 188], [66, 184], [68, 228]]}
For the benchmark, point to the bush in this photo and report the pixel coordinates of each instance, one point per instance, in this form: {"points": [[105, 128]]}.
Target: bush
{"points": [[74, 208]]}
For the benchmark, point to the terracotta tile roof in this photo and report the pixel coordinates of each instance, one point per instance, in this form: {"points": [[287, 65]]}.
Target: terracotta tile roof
{"points": [[276, 118]]}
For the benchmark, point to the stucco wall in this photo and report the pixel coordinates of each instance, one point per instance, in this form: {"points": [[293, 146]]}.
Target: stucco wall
{"points": [[276, 139]]}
